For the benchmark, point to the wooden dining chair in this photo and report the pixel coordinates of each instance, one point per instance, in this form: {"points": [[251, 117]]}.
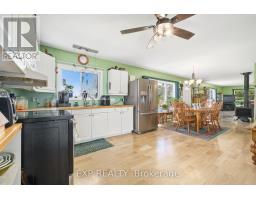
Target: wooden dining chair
{"points": [[210, 118], [185, 118]]}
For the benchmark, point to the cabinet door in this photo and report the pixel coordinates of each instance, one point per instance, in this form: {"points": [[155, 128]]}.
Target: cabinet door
{"points": [[46, 66], [127, 120], [124, 82], [44, 150], [114, 82], [114, 122], [99, 125], [82, 128]]}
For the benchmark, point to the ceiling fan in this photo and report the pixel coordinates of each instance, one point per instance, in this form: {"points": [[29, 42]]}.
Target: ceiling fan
{"points": [[164, 27]]}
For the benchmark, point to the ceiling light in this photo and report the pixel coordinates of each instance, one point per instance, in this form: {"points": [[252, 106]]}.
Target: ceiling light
{"points": [[165, 29], [193, 82]]}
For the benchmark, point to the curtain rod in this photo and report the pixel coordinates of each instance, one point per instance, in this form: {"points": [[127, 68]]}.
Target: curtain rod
{"points": [[78, 65]]}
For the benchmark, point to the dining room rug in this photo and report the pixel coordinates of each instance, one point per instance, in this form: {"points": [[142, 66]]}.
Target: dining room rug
{"points": [[202, 132], [92, 146]]}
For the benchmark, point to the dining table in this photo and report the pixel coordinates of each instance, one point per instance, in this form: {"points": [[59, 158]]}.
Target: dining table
{"points": [[198, 113]]}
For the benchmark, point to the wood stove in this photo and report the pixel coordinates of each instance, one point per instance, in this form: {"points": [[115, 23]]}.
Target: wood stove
{"points": [[245, 112]]}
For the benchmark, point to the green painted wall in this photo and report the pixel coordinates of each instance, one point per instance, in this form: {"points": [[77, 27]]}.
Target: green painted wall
{"points": [[71, 57], [229, 89]]}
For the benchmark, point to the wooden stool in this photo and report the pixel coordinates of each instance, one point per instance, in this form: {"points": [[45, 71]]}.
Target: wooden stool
{"points": [[253, 146]]}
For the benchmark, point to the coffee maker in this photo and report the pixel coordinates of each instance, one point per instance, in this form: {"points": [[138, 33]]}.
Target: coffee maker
{"points": [[7, 107], [105, 100]]}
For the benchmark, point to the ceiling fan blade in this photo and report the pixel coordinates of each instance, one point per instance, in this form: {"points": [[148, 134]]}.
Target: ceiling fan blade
{"points": [[160, 16], [133, 30], [182, 33], [180, 17]]}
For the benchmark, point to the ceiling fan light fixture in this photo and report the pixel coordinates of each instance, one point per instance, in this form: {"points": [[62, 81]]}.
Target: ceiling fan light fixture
{"points": [[165, 29]]}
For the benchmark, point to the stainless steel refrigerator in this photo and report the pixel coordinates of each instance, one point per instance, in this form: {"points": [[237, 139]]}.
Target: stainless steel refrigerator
{"points": [[143, 95]]}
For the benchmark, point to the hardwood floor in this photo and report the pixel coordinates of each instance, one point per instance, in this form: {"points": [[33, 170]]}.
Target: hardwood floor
{"points": [[167, 157]]}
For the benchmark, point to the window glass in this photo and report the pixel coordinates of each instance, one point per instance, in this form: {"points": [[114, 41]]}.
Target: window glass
{"points": [[161, 93], [166, 91], [90, 84], [71, 82], [212, 94], [239, 96]]}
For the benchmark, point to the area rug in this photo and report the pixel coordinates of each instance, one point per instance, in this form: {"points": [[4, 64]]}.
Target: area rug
{"points": [[202, 132], [89, 147]]}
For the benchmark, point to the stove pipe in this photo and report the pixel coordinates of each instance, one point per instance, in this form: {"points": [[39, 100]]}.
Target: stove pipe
{"points": [[246, 88]]}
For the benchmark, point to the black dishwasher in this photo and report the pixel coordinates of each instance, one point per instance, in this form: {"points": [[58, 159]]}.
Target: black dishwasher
{"points": [[47, 147]]}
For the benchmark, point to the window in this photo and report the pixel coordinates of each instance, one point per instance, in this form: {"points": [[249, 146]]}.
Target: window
{"points": [[166, 91], [71, 81], [212, 94], [239, 96], [90, 84], [77, 79]]}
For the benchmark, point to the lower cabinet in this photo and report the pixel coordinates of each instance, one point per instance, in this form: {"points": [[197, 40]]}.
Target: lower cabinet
{"points": [[127, 120], [114, 122], [91, 124], [99, 125], [82, 127], [44, 149]]}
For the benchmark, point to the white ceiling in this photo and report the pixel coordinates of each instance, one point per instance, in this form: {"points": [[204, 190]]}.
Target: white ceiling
{"points": [[223, 47]]}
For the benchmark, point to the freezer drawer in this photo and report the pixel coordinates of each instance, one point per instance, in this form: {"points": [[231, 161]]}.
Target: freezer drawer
{"points": [[145, 122]]}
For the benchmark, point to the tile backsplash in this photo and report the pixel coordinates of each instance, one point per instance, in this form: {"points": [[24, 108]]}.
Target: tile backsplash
{"points": [[39, 99], [35, 99]]}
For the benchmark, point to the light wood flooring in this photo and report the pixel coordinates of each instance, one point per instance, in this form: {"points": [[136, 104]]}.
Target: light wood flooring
{"points": [[167, 157]]}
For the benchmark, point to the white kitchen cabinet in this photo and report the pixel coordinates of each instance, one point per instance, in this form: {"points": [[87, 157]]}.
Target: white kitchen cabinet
{"points": [[91, 124], [82, 128], [99, 125], [114, 122], [127, 120], [46, 66], [124, 83], [117, 82]]}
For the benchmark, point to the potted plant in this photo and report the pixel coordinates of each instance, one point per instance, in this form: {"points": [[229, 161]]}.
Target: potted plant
{"points": [[69, 89], [165, 107]]}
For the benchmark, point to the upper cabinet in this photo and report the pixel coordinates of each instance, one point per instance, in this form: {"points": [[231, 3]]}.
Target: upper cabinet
{"points": [[117, 82], [46, 66]]}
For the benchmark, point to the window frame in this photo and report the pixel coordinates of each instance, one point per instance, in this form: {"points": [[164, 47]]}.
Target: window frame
{"points": [[81, 70]]}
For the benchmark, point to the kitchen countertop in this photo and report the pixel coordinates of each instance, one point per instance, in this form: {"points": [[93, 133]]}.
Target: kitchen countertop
{"points": [[44, 115], [73, 108], [9, 134]]}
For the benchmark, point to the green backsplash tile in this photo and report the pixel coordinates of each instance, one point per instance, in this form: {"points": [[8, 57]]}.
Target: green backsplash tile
{"points": [[42, 98]]}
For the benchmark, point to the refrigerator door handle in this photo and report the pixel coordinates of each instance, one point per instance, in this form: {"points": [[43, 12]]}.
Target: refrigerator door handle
{"points": [[150, 96]]}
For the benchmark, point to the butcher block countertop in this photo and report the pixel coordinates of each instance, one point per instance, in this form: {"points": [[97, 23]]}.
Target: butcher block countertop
{"points": [[9, 134], [74, 108]]}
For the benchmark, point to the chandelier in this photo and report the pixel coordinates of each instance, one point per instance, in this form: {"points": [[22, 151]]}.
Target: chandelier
{"points": [[193, 82]]}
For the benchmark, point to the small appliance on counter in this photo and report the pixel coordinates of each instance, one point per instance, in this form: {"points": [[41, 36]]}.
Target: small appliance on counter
{"points": [[63, 99], [7, 107], [105, 100], [47, 147]]}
